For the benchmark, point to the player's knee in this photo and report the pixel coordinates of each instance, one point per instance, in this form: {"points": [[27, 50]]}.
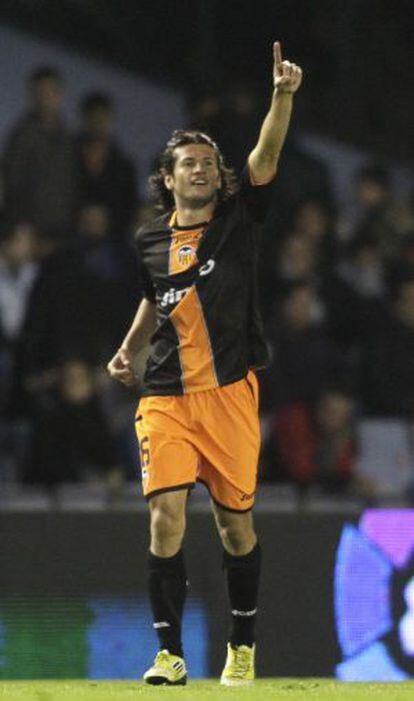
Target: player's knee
{"points": [[237, 538], [167, 524]]}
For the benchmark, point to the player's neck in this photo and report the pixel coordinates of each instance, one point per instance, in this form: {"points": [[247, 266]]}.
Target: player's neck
{"points": [[187, 216]]}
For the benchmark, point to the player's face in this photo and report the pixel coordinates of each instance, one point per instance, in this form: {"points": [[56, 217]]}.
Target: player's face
{"points": [[196, 177]]}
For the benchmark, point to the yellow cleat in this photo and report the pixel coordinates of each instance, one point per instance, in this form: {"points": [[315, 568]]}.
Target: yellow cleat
{"points": [[239, 667], [167, 669]]}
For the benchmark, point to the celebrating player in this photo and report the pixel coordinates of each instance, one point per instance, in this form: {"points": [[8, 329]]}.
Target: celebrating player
{"points": [[197, 419]]}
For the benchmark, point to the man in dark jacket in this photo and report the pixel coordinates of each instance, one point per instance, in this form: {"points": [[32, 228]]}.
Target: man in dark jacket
{"points": [[39, 166]]}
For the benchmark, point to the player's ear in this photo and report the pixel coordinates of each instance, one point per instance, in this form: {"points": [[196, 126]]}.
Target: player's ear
{"points": [[168, 181]]}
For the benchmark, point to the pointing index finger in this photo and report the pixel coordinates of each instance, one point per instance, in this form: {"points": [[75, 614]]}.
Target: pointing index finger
{"points": [[277, 54]]}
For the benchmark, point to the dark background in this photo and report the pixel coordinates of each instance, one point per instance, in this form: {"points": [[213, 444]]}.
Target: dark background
{"points": [[357, 54]]}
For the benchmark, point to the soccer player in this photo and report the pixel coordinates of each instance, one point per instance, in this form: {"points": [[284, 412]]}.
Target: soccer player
{"points": [[197, 419]]}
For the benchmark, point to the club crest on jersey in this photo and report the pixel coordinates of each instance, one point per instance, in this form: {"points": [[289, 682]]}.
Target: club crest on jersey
{"points": [[185, 255]]}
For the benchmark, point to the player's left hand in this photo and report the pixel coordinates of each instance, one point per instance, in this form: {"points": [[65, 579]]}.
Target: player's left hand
{"points": [[287, 76]]}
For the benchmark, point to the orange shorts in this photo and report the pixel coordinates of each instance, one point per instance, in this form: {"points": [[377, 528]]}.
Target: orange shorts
{"points": [[211, 437]]}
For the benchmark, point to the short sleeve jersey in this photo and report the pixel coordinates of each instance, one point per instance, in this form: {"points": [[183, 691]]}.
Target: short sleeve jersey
{"points": [[203, 280]]}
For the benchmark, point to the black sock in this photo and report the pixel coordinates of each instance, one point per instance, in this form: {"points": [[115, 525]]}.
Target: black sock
{"points": [[243, 575], [167, 584]]}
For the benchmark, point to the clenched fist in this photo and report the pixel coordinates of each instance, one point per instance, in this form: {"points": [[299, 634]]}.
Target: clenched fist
{"points": [[121, 368]]}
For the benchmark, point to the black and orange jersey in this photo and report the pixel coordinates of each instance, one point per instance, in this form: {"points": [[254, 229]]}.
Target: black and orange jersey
{"points": [[203, 281]]}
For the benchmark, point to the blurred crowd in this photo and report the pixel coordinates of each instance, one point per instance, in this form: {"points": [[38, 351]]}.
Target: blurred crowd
{"points": [[337, 293]]}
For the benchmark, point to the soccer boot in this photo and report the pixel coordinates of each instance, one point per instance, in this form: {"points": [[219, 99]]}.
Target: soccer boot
{"points": [[167, 669], [239, 667]]}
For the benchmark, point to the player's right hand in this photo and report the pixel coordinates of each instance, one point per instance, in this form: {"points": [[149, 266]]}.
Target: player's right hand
{"points": [[287, 76], [121, 369]]}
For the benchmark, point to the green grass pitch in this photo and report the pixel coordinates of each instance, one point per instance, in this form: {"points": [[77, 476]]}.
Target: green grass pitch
{"points": [[262, 690]]}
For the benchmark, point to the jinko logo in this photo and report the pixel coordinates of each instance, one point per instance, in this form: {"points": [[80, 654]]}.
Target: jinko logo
{"points": [[374, 597]]}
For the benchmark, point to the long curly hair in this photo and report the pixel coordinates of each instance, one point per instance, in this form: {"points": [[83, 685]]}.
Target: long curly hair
{"points": [[183, 137]]}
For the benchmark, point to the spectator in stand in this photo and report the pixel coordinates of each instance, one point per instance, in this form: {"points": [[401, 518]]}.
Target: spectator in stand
{"points": [[387, 367], [376, 209], [80, 306], [304, 362], [208, 114], [296, 262], [306, 252], [315, 441], [39, 172], [113, 264], [304, 359], [241, 124], [18, 272], [303, 177], [67, 414], [354, 292], [364, 269], [83, 298], [105, 174], [313, 221]]}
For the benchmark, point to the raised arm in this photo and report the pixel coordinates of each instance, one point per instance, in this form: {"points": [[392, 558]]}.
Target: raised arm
{"points": [[287, 78], [121, 367]]}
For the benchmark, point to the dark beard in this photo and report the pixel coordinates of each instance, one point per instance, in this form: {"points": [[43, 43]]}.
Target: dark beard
{"points": [[199, 202]]}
